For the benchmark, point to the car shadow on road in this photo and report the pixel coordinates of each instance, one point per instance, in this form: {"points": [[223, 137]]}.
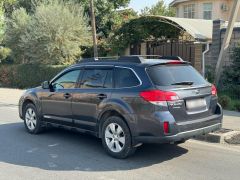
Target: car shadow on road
{"points": [[68, 151]]}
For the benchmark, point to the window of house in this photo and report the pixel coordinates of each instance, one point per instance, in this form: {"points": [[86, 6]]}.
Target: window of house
{"points": [[189, 11], [207, 11]]}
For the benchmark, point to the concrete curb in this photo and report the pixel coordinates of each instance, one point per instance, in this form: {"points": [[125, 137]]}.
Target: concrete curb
{"points": [[224, 136]]}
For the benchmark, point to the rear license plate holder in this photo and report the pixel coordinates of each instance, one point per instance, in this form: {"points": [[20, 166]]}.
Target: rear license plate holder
{"points": [[196, 104]]}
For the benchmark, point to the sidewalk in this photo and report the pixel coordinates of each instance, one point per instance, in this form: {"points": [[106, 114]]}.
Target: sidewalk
{"points": [[10, 96], [231, 120]]}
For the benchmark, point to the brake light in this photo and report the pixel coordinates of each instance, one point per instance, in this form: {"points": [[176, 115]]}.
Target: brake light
{"points": [[175, 62], [214, 90], [166, 127], [155, 96]]}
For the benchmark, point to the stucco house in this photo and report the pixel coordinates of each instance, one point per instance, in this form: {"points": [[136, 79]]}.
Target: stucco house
{"points": [[203, 9]]}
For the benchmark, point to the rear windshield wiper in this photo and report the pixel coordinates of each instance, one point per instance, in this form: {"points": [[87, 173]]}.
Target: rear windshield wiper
{"points": [[183, 83]]}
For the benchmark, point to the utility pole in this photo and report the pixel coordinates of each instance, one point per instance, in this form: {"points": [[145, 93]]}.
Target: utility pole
{"points": [[226, 41], [94, 33]]}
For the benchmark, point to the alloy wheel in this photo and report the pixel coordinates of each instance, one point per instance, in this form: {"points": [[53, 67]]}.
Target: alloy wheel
{"points": [[115, 137], [31, 119]]}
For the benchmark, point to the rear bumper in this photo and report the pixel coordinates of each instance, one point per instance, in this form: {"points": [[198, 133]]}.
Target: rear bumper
{"points": [[186, 130], [180, 136]]}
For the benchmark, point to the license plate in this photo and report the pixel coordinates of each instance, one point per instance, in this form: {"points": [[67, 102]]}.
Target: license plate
{"points": [[196, 103]]}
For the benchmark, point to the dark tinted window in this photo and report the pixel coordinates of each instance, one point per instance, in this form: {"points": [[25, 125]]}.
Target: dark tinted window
{"points": [[109, 80], [170, 75], [96, 78], [67, 81], [125, 78]]}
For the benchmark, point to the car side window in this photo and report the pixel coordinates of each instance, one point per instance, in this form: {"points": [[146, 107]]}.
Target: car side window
{"points": [[125, 77], [67, 81], [96, 78], [109, 80]]}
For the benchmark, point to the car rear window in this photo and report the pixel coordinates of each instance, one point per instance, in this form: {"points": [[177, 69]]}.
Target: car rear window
{"points": [[169, 75]]}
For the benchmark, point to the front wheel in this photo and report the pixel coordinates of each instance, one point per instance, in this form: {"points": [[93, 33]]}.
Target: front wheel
{"points": [[31, 119], [116, 138]]}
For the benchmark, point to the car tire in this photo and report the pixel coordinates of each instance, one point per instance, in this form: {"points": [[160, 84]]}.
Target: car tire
{"points": [[32, 121], [116, 138]]}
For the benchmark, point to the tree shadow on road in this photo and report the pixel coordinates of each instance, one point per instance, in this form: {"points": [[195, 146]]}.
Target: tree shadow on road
{"points": [[68, 151]]}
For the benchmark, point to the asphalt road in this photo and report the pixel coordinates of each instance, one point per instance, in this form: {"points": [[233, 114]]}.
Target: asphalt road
{"points": [[60, 154]]}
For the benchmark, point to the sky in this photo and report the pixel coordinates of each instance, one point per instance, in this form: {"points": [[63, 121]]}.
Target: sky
{"points": [[140, 4]]}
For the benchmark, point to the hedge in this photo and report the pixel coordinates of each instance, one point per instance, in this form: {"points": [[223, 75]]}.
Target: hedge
{"points": [[26, 76]]}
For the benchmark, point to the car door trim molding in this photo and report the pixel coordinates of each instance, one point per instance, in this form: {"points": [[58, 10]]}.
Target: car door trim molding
{"points": [[58, 118], [82, 122]]}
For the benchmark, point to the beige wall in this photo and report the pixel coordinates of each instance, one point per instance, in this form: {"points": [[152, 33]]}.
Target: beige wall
{"points": [[217, 13]]}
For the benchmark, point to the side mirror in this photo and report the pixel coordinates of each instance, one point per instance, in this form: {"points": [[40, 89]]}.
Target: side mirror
{"points": [[46, 85]]}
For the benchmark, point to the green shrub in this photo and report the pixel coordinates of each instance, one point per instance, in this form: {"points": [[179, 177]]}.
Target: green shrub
{"points": [[210, 73], [236, 91], [231, 75], [5, 55], [225, 101], [26, 76], [237, 106]]}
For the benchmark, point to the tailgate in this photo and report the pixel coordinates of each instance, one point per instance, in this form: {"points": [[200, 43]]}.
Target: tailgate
{"points": [[195, 93], [194, 103]]}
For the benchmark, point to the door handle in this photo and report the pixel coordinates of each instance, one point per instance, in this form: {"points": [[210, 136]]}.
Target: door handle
{"points": [[101, 96], [67, 95]]}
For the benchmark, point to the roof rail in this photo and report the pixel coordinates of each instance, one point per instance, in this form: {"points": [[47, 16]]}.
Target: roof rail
{"points": [[96, 59], [171, 58], [158, 57], [146, 56], [130, 58]]}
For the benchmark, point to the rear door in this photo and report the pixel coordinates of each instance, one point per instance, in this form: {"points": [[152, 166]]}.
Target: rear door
{"points": [[95, 89], [196, 100]]}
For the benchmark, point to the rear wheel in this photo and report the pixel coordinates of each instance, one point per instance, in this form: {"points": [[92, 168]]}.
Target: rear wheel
{"points": [[31, 119], [116, 138]]}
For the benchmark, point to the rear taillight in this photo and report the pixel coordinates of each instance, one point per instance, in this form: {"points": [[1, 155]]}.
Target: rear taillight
{"points": [[166, 127], [157, 96], [214, 90]]}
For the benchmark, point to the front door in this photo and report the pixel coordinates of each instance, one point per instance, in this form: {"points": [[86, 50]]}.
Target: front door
{"points": [[56, 103], [95, 89]]}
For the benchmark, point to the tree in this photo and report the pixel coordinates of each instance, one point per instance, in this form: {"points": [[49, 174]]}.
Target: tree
{"points": [[7, 6], [105, 10], [53, 34], [123, 16], [2, 19], [106, 14], [140, 29], [158, 9], [15, 28], [29, 5]]}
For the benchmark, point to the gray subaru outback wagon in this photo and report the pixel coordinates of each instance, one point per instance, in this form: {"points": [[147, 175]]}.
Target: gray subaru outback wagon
{"points": [[125, 102]]}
